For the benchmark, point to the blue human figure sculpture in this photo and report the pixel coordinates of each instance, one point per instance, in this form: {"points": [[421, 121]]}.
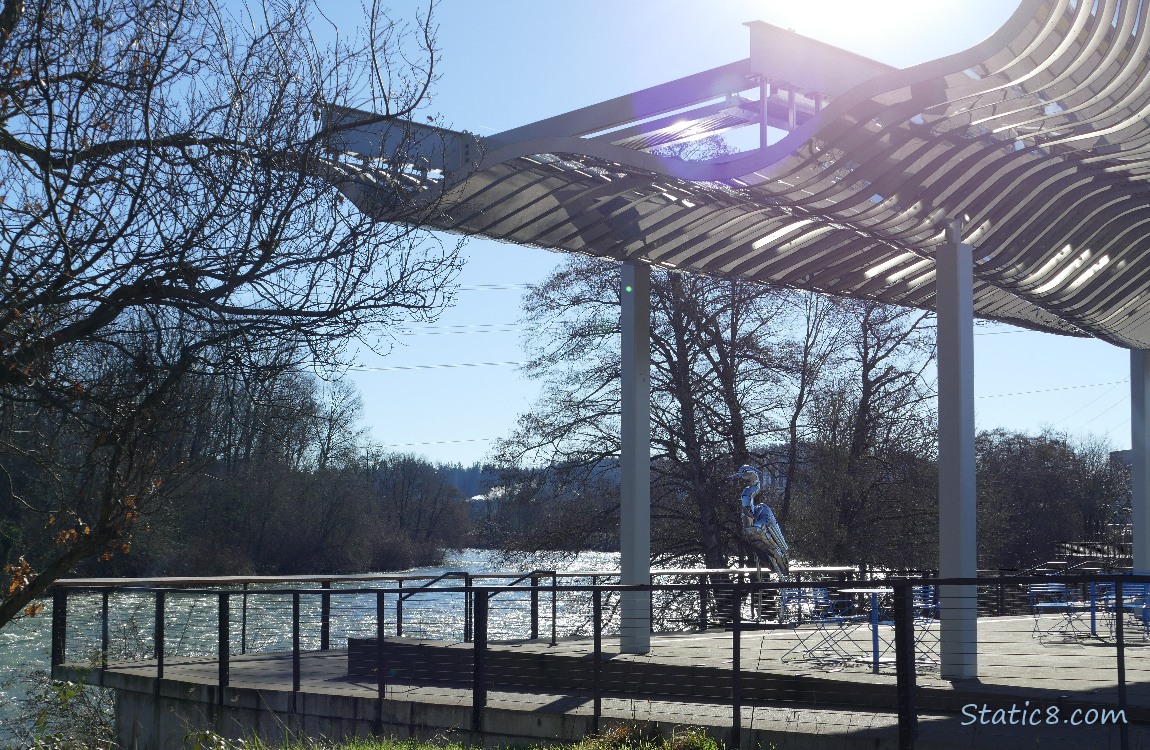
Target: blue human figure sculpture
{"points": [[760, 528]]}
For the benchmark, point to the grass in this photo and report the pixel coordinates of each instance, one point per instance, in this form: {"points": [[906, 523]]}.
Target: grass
{"points": [[618, 737]]}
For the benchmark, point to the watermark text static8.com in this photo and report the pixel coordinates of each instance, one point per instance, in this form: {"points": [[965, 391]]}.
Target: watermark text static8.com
{"points": [[1032, 716]]}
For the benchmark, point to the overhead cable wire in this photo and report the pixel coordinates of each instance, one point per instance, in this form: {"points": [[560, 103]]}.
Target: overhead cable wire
{"points": [[434, 367], [1052, 390], [1088, 404], [510, 327], [1107, 410], [490, 287], [516, 364], [433, 330], [438, 442], [1119, 426], [437, 326], [985, 333], [999, 333], [448, 333]]}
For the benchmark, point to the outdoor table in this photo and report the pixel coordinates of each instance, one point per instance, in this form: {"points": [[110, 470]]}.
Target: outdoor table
{"points": [[874, 618], [1058, 599]]}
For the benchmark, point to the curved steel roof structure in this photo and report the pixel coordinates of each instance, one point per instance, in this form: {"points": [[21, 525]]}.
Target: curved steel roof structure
{"points": [[1038, 137]]}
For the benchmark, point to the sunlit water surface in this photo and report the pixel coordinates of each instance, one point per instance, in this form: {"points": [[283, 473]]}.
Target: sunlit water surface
{"points": [[264, 622]]}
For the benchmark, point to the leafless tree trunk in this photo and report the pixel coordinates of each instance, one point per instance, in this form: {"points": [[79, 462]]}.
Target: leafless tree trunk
{"points": [[713, 401]]}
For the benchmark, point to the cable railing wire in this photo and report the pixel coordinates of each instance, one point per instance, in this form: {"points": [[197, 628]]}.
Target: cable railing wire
{"points": [[751, 645]]}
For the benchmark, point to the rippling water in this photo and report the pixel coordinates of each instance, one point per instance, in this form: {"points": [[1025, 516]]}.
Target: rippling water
{"points": [[263, 622]]}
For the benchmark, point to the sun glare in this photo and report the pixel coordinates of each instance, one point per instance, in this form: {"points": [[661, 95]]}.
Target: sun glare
{"points": [[880, 28], [854, 16]]}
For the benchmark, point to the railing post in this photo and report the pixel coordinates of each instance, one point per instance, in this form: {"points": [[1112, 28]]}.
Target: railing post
{"points": [[703, 603], [380, 671], [651, 601], [59, 626], [295, 643], [325, 617], [874, 619], [597, 655], [105, 636], [554, 608], [158, 645], [225, 644], [398, 612], [479, 666], [1120, 647], [736, 667], [244, 621], [1093, 610], [534, 606], [468, 609], [904, 655]]}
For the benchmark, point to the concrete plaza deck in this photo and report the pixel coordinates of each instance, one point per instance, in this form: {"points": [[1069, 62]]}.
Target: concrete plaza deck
{"points": [[819, 703]]}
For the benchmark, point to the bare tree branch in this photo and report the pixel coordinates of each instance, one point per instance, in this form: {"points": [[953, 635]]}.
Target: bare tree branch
{"points": [[168, 223]]}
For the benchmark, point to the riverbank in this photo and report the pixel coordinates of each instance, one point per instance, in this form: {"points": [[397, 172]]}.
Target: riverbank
{"points": [[24, 644], [619, 737]]}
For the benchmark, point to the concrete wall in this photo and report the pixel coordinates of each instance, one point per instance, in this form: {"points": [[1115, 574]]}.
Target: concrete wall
{"points": [[148, 718]]}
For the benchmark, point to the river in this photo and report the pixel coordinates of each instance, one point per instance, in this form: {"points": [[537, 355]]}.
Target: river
{"points": [[191, 623]]}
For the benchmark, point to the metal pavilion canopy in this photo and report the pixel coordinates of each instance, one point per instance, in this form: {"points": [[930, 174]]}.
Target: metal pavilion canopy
{"points": [[1010, 182], [1037, 136]]}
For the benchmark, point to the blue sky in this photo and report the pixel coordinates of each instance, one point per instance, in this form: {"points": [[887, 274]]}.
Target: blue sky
{"points": [[510, 62]]}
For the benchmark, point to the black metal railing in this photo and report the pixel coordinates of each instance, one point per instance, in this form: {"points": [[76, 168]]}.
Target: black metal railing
{"points": [[833, 625]]}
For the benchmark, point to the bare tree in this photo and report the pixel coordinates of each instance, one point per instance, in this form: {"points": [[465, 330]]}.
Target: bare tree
{"points": [[714, 396], [828, 394], [867, 486], [1037, 490], [166, 218], [811, 353]]}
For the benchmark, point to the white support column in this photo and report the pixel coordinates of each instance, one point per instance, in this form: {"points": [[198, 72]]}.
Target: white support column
{"points": [[957, 549], [635, 521], [1140, 455]]}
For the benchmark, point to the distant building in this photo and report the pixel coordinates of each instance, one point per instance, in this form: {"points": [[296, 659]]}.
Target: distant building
{"points": [[484, 509]]}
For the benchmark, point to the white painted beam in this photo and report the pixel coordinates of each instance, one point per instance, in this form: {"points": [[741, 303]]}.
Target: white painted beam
{"points": [[957, 548], [635, 459]]}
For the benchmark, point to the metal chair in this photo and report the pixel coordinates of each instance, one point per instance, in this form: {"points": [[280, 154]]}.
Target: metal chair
{"points": [[924, 601], [1053, 599], [794, 606], [831, 620]]}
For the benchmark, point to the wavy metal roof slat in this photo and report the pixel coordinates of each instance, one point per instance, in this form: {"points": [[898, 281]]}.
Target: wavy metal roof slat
{"points": [[1038, 135]]}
